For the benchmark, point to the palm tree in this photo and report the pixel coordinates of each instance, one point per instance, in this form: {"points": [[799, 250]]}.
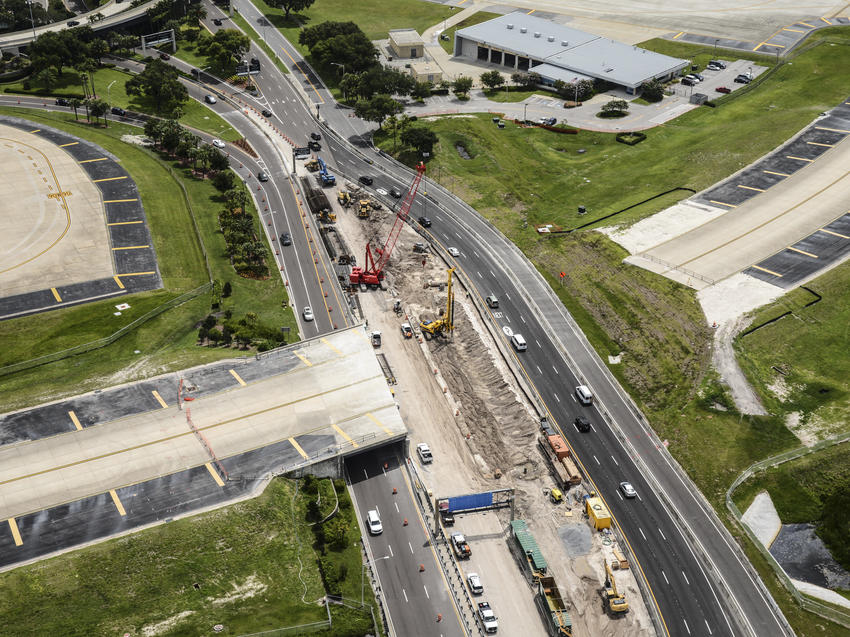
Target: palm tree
{"points": [[75, 104], [236, 199]]}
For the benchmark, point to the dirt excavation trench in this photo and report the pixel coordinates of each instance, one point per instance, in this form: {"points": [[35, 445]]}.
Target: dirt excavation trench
{"points": [[458, 394]]}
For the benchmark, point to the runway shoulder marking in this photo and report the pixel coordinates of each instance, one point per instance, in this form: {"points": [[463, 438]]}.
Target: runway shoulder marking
{"points": [[811, 26], [371, 417], [56, 295], [678, 35], [758, 267], [159, 399], [345, 435], [808, 254], [37, 130], [237, 377], [799, 158], [304, 359], [721, 203], [132, 247], [298, 448], [771, 172], [118, 200], [16, 534], [109, 179], [835, 234], [794, 30], [88, 161], [75, 420], [68, 144], [136, 273], [117, 502], [750, 188], [214, 474]]}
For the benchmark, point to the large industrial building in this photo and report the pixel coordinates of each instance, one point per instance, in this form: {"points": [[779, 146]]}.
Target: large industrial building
{"points": [[526, 43]]}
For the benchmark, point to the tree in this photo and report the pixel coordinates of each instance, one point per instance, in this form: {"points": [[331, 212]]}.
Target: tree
{"points": [[98, 48], [225, 48], [75, 104], [227, 290], [153, 129], [492, 79], [86, 68], [356, 49], [311, 36], [46, 77], [224, 180], [196, 13], [518, 79], [652, 91], [615, 106], [291, 5], [462, 85], [99, 108], [159, 82], [377, 109], [420, 138], [236, 199], [422, 90], [218, 161]]}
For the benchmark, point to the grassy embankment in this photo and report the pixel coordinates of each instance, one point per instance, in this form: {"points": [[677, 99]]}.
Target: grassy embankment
{"points": [[521, 177], [166, 342], [252, 566]]}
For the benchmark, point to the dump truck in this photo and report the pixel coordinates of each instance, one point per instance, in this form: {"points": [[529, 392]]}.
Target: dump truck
{"points": [[460, 546], [552, 608], [488, 618]]}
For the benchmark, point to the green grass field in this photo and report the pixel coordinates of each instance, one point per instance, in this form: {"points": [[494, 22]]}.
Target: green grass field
{"points": [[241, 566], [166, 342], [475, 18]]}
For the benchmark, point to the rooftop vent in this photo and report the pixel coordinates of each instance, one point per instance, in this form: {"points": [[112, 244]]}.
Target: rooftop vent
{"points": [[551, 38], [537, 34], [510, 26], [523, 29], [564, 43]]}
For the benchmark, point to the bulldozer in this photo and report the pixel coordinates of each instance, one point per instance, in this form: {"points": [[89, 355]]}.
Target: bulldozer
{"points": [[614, 600], [344, 198], [326, 216], [312, 165], [446, 322], [364, 209]]}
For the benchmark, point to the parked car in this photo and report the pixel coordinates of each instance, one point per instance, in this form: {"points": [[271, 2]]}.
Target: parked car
{"points": [[693, 77], [61, 101], [285, 239], [698, 76], [262, 176], [743, 79], [718, 63], [712, 67], [425, 222], [307, 313], [366, 179], [218, 143], [210, 99], [406, 330], [424, 452], [686, 81], [723, 89], [475, 586], [117, 110], [314, 145], [164, 56], [628, 490]]}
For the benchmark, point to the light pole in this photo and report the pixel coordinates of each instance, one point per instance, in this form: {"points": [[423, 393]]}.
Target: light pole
{"points": [[715, 47], [109, 86], [363, 574], [524, 113], [32, 21], [343, 73]]}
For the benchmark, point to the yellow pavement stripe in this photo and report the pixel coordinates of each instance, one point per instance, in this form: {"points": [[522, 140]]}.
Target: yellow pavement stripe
{"points": [[118, 200], [87, 161], [843, 236], [750, 188], [109, 179], [723, 204], [117, 502], [822, 18], [770, 172], [136, 273], [132, 247], [530, 12], [834, 130], [328, 343], [16, 534], [794, 30], [159, 399], [298, 448], [68, 144], [808, 254], [37, 130], [678, 35], [214, 474], [759, 46], [238, 379], [124, 223], [344, 435], [56, 295], [304, 359], [758, 267], [781, 46], [819, 144], [118, 281], [75, 420], [806, 24], [295, 65], [379, 423], [799, 158]]}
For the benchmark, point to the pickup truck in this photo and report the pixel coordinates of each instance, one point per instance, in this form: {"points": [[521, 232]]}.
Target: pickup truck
{"points": [[488, 618], [460, 547]]}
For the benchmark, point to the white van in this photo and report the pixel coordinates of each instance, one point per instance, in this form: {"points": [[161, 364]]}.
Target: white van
{"points": [[518, 341], [585, 397], [374, 522]]}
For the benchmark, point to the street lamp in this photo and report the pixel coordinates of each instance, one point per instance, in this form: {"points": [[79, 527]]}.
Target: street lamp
{"points": [[363, 574], [109, 86], [343, 73], [715, 47], [524, 112], [32, 21]]}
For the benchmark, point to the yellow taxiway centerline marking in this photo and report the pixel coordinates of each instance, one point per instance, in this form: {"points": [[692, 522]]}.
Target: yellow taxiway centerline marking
{"points": [[820, 144], [808, 254], [304, 359], [379, 423], [328, 343], [123, 223], [109, 179], [750, 188], [117, 502], [118, 200], [344, 435], [236, 376], [75, 420], [159, 399], [68, 144], [758, 267], [214, 474], [132, 247], [770, 172], [16, 534], [799, 158], [87, 161], [135, 273], [835, 234], [298, 448], [118, 281], [723, 204]]}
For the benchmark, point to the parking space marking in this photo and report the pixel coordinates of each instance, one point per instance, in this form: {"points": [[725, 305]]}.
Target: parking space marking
{"points": [[345, 435], [16, 534], [808, 254], [119, 200], [304, 359], [118, 281], [236, 376], [159, 399], [750, 188], [770, 172], [832, 130], [371, 417], [799, 158], [758, 267], [132, 248], [88, 161], [794, 30], [75, 420], [298, 448], [334, 349], [117, 502], [819, 144], [68, 144], [214, 474], [835, 234], [811, 26], [123, 223], [721, 203], [109, 179], [56, 295]]}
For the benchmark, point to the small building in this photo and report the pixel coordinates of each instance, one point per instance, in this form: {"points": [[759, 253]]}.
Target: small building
{"points": [[426, 72], [598, 513], [406, 43]]}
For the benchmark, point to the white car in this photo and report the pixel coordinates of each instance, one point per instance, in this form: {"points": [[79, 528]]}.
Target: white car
{"points": [[454, 252], [218, 143], [210, 99], [424, 452], [475, 586], [307, 313], [628, 490], [374, 522]]}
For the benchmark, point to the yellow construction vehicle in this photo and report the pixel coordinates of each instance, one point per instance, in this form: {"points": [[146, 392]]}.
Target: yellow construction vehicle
{"points": [[446, 322], [312, 165], [364, 209], [327, 216], [344, 198], [614, 600]]}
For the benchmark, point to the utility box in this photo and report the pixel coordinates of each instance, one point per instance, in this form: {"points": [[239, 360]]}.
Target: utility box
{"points": [[598, 513]]}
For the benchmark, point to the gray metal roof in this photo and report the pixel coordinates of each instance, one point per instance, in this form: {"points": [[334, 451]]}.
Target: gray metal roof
{"points": [[552, 72], [568, 48]]}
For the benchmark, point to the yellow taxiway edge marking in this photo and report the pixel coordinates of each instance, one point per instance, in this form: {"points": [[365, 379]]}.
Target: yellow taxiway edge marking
{"points": [[678, 35], [770, 172], [834, 130], [16, 534], [304, 359], [808, 254], [236, 376], [124, 223], [56, 295], [822, 18], [117, 502], [136, 273], [326, 342], [819, 144], [214, 474], [87, 161], [379, 423], [794, 30], [132, 247], [345, 435], [118, 281], [750, 188], [68, 144], [758, 267], [530, 12], [37, 130], [118, 200], [759, 46], [298, 448], [159, 399], [723, 204], [75, 420], [835, 234], [109, 179], [811, 26], [799, 158]]}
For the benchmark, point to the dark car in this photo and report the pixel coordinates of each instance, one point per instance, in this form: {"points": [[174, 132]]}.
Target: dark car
{"points": [[316, 136], [425, 222], [314, 145], [582, 423], [395, 192], [701, 78], [689, 82], [262, 176], [61, 101], [164, 56], [718, 63], [366, 179], [266, 113], [117, 110], [217, 22], [743, 79], [285, 239], [73, 23], [723, 89]]}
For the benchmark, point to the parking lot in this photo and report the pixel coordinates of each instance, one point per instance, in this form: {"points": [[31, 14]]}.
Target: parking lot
{"points": [[722, 78]]}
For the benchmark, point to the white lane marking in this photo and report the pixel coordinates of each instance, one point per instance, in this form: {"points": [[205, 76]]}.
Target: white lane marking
{"points": [[619, 495], [556, 397], [555, 369], [615, 461], [492, 274], [457, 235], [475, 252], [390, 547], [538, 343], [508, 317], [396, 507], [479, 274], [365, 474], [521, 318], [684, 621], [426, 591], [539, 371], [709, 627], [688, 582], [639, 498], [594, 431], [665, 577], [507, 296], [597, 460], [641, 532], [404, 592], [662, 533], [410, 546]]}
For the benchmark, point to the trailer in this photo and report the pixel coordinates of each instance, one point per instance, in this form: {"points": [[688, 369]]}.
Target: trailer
{"points": [[525, 548], [552, 608], [388, 371], [565, 471]]}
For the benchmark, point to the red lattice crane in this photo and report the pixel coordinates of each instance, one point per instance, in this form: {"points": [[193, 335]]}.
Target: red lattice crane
{"points": [[373, 272]]}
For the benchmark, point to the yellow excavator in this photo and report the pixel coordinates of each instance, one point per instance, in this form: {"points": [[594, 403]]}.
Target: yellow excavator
{"points": [[327, 216], [344, 198], [446, 322], [615, 600]]}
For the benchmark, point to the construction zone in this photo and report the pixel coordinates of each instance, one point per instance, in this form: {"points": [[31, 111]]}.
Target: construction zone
{"points": [[531, 551]]}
